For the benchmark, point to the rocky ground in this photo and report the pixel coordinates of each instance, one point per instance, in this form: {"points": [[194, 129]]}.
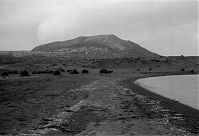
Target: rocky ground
{"points": [[26, 101], [93, 103], [110, 109]]}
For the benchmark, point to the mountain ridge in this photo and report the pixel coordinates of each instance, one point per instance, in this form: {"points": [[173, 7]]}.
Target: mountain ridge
{"points": [[105, 46]]}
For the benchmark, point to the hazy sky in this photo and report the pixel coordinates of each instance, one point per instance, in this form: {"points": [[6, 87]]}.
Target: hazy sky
{"points": [[167, 27]]}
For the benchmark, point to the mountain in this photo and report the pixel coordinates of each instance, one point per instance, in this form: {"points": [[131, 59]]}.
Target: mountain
{"points": [[98, 46]]}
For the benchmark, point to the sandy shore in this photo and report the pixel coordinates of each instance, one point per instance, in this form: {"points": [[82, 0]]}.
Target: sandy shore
{"points": [[190, 115]]}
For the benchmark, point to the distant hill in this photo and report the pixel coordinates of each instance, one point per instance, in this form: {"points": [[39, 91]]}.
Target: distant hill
{"points": [[14, 53], [99, 46]]}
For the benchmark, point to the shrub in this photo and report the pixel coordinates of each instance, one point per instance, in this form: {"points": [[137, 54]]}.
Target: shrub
{"points": [[74, 72], [34, 72], [47, 71], [157, 60], [138, 58], [105, 71], [182, 69], [57, 72], [12, 72], [15, 72], [24, 73], [85, 71], [150, 69], [138, 69], [61, 69], [39, 72], [4, 74], [50, 71], [69, 70], [110, 71], [192, 71]]}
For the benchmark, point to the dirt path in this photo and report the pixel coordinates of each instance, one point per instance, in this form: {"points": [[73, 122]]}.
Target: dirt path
{"points": [[110, 109]]}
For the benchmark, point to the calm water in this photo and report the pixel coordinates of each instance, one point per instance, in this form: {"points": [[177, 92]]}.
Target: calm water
{"points": [[183, 88]]}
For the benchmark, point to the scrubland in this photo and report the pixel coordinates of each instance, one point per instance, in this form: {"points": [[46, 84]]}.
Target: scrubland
{"points": [[90, 103]]}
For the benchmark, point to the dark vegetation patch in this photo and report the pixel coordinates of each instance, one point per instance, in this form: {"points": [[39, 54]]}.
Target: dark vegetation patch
{"points": [[74, 71], [34, 72], [57, 72], [24, 73], [4, 74], [182, 69], [105, 71], [7, 72], [192, 71], [85, 71], [69, 70], [12, 72], [61, 69], [46, 71]]}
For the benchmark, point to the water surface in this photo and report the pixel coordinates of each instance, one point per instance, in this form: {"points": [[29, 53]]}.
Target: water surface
{"points": [[183, 88]]}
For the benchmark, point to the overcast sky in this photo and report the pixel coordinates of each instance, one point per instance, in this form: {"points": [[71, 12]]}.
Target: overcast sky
{"points": [[167, 27]]}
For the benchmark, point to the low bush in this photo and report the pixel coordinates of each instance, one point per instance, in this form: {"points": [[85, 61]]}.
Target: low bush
{"points": [[192, 71], [182, 69], [84, 71], [57, 72], [12, 72], [110, 71], [4, 74], [47, 71], [105, 71], [138, 69], [74, 72], [34, 72], [24, 73], [138, 58], [61, 69], [39, 72], [150, 69], [69, 70]]}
